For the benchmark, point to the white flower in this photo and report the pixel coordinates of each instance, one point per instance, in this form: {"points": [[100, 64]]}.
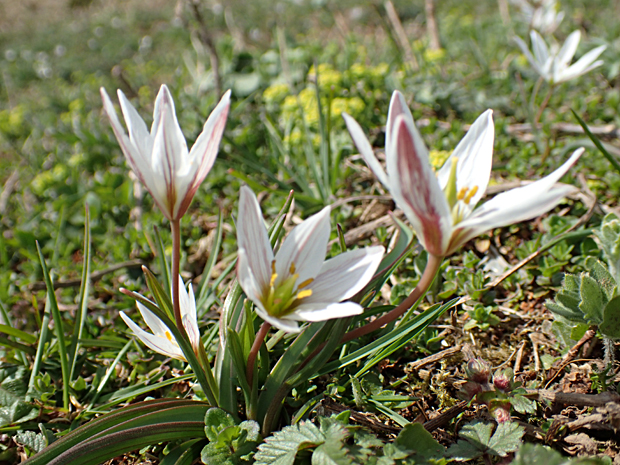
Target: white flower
{"points": [[442, 209], [297, 284], [160, 158], [552, 63], [161, 340], [543, 16]]}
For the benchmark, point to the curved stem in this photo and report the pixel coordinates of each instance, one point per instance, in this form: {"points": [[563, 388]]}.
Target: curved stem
{"points": [[258, 342], [175, 226], [432, 266]]}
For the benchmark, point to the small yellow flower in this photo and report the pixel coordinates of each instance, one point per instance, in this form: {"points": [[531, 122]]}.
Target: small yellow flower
{"points": [[434, 55], [438, 158], [276, 93]]}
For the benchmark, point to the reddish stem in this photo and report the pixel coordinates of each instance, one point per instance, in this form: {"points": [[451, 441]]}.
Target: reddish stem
{"points": [[258, 342], [432, 266], [175, 226]]}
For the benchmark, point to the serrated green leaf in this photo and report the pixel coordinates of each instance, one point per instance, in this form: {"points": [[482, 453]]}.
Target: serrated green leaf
{"points": [[34, 441], [522, 404], [592, 301], [507, 438], [332, 452], [477, 440], [610, 326], [283, 446]]}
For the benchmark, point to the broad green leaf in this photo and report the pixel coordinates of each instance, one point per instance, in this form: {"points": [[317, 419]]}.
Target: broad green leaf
{"points": [[419, 443], [33, 441], [530, 454], [592, 301], [216, 420], [610, 326]]}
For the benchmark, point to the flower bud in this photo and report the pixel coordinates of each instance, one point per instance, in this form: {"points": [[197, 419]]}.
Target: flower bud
{"points": [[478, 370], [503, 379]]}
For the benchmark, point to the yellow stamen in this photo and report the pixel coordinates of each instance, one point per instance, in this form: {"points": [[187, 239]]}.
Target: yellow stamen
{"points": [[292, 268], [274, 275], [462, 193], [470, 194], [307, 282], [304, 293], [168, 336]]}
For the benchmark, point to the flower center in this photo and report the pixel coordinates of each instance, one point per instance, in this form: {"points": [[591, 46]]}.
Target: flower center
{"points": [[284, 294], [459, 201]]}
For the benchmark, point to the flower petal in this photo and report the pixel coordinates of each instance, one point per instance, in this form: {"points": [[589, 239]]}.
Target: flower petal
{"points": [[524, 48], [287, 325], [253, 239], [569, 47], [417, 192], [138, 132], [366, 151], [345, 275], [540, 49], [519, 204], [398, 106], [475, 158], [156, 343], [188, 312], [152, 321], [133, 154], [305, 247], [204, 151], [318, 311], [584, 65], [170, 156], [247, 279]]}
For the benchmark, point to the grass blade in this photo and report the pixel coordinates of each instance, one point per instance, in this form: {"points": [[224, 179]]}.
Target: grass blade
{"points": [[58, 328], [80, 318], [610, 158]]}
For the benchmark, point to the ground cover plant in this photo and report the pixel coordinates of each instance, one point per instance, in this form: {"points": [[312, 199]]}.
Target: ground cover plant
{"points": [[350, 232]]}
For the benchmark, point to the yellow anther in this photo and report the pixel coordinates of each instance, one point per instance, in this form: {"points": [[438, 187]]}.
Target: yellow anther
{"points": [[274, 275], [462, 193], [292, 268], [168, 336], [307, 282], [305, 293], [470, 194]]}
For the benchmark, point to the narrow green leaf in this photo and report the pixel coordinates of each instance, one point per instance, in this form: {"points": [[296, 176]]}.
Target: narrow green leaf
{"points": [[26, 337], [80, 317], [610, 158], [58, 328]]}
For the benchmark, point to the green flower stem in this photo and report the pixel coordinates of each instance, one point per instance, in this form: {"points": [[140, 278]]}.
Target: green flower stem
{"points": [[258, 342], [175, 226], [432, 266]]}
